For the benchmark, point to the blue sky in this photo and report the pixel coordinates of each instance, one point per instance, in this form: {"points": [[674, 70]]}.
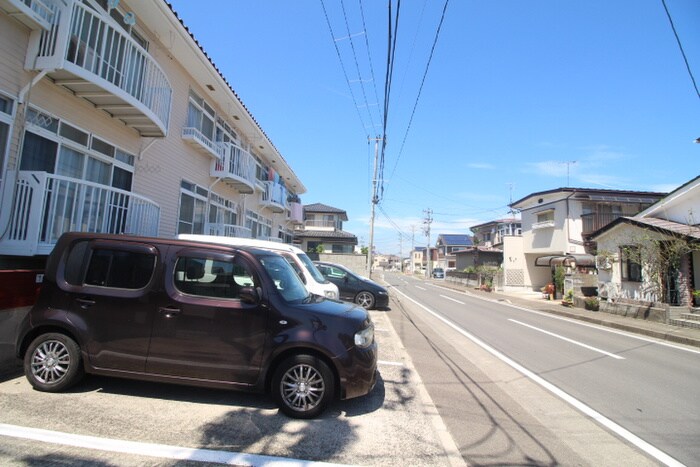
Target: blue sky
{"points": [[515, 92]]}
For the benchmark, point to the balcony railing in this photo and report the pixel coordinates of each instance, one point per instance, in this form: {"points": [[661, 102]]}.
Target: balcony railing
{"points": [[197, 139], [45, 206], [321, 225], [543, 225], [36, 14], [227, 230], [236, 167], [594, 221], [274, 196], [88, 53]]}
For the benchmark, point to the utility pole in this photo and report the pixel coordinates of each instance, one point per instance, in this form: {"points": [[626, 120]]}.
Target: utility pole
{"points": [[374, 202], [426, 229]]}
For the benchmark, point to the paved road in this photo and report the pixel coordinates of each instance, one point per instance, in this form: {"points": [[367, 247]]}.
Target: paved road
{"points": [[649, 389]]}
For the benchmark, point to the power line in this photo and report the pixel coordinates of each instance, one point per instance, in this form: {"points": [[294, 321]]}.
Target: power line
{"points": [[342, 65], [680, 46], [420, 90], [357, 65], [369, 56]]}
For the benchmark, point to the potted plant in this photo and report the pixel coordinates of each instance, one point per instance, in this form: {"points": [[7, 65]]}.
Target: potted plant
{"points": [[568, 299], [591, 303]]}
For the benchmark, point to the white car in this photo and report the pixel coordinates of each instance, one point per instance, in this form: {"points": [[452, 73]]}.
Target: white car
{"points": [[302, 264]]}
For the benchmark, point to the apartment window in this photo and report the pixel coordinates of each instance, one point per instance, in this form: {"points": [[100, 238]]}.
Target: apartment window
{"points": [[57, 147], [224, 132], [6, 111], [630, 263], [193, 203], [259, 226], [201, 116]]}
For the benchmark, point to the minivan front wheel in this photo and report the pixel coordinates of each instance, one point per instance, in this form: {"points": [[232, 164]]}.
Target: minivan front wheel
{"points": [[53, 362], [365, 300], [303, 386]]}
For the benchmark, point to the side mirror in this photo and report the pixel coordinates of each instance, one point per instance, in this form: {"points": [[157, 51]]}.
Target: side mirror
{"points": [[249, 295], [346, 279]]}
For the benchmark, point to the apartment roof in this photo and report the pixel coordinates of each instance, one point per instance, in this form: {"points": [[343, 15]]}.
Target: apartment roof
{"points": [[174, 48]]}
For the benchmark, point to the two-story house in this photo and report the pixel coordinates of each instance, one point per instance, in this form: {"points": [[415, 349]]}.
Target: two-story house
{"points": [[491, 234], [446, 246], [556, 229], [654, 256], [323, 227], [113, 118]]}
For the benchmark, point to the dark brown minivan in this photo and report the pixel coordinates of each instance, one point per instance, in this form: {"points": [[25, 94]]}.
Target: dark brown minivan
{"points": [[193, 313]]}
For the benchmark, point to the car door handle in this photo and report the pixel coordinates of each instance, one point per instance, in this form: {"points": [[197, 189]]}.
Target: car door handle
{"points": [[169, 311], [85, 302]]}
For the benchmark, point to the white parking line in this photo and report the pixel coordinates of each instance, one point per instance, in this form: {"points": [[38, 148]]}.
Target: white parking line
{"points": [[386, 363], [653, 451], [568, 340], [450, 298], [154, 450]]}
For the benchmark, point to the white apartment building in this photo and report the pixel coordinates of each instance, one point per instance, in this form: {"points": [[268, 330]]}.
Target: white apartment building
{"points": [[114, 119]]}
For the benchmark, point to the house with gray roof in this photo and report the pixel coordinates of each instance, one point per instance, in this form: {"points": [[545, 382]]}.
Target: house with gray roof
{"points": [[447, 245], [323, 226], [653, 256]]}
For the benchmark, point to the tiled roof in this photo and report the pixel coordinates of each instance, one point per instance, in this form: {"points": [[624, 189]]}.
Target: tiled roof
{"points": [[318, 207], [326, 234], [661, 225]]}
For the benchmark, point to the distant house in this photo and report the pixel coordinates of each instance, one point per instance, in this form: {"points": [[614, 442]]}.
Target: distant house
{"points": [[491, 234], [446, 246], [323, 226], [653, 256], [478, 256], [556, 230], [419, 259]]}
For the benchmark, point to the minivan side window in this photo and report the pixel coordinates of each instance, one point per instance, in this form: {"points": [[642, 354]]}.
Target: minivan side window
{"points": [[212, 278], [119, 269]]}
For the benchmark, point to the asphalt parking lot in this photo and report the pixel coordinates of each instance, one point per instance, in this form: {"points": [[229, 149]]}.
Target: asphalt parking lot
{"points": [[102, 420]]}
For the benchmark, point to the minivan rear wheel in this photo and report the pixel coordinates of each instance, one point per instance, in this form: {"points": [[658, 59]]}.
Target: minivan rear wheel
{"points": [[53, 363], [303, 386]]}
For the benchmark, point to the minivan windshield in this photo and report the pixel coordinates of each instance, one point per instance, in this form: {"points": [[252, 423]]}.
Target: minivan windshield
{"points": [[286, 280], [311, 267]]}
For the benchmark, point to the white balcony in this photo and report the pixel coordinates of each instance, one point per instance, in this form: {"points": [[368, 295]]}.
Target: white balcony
{"points": [[236, 168], [35, 14], [45, 206], [274, 196], [543, 225], [227, 230], [203, 144], [86, 52]]}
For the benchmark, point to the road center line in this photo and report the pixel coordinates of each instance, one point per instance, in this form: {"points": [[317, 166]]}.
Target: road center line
{"points": [[419, 287], [568, 340], [153, 450], [450, 298], [653, 451]]}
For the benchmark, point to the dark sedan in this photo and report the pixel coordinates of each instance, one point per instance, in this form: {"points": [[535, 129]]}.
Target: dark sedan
{"points": [[354, 288]]}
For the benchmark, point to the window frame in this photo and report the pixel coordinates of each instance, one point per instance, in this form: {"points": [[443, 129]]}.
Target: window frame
{"points": [[631, 270]]}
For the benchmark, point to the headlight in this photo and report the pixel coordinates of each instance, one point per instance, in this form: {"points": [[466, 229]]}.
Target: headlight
{"points": [[381, 292], [365, 337], [330, 294]]}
